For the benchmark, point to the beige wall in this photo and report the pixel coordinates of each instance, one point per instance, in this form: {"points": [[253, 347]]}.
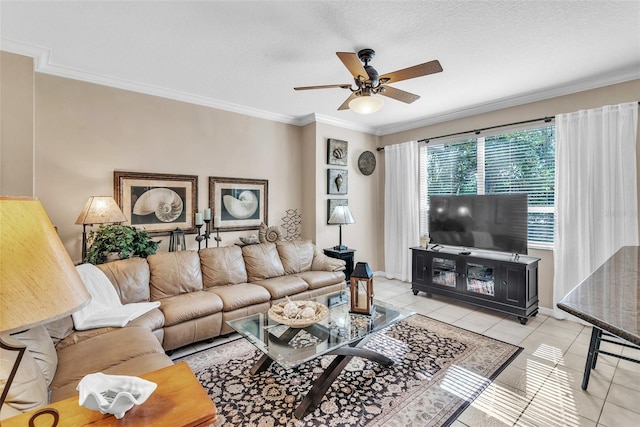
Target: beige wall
{"points": [[309, 167], [365, 195], [609, 95], [86, 131], [16, 125], [83, 132]]}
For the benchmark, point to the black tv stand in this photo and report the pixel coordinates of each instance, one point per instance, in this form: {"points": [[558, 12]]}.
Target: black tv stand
{"points": [[495, 280]]}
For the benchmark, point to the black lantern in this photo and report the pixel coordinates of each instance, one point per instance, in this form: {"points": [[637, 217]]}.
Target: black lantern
{"points": [[361, 284], [177, 242]]}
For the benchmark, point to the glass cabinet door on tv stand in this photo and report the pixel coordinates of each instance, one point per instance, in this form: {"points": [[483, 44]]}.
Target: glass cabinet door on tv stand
{"points": [[495, 280], [480, 279], [444, 272]]}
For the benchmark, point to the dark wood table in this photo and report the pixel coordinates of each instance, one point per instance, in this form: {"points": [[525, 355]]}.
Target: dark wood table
{"points": [[343, 254], [609, 299]]}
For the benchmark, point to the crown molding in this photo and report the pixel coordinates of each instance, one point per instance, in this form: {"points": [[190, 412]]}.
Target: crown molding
{"points": [[39, 54], [328, 120], [527, 98], [43, 65]]}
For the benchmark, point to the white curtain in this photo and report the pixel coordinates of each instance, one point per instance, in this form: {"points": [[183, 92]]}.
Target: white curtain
{"points": [[401, 208], [596, 193]]}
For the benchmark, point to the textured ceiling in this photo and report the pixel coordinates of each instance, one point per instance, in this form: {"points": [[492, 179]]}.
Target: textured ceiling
{"points": [[247, 56]]}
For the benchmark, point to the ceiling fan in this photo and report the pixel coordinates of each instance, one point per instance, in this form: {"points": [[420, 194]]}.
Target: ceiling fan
{"points": [[368, 82]]}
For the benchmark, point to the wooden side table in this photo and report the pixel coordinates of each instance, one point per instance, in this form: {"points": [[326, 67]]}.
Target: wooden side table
{"points": [[179, 400], [346, 255]]}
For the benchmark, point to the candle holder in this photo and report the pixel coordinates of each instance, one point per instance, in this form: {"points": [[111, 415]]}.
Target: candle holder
{"points": [[199, 237], [207, 232]]}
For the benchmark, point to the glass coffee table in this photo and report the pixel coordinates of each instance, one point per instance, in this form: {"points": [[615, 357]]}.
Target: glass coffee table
{"points": [[341, 333]]}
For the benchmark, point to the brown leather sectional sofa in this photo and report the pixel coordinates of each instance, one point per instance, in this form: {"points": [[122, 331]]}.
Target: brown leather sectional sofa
{"points": [[198, 292]]}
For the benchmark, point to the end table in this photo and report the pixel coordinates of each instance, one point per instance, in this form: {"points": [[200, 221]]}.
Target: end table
{"points": [[179, 400], [344, 254]]}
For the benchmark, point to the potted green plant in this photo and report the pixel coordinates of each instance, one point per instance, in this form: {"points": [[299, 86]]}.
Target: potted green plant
{"points": [[124, 240]]}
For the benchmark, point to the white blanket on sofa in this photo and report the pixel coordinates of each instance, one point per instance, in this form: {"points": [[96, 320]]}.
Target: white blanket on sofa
{"points": [[105, 308]]}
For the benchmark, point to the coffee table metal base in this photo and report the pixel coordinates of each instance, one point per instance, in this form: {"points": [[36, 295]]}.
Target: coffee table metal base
{"points": [[324, 381]]}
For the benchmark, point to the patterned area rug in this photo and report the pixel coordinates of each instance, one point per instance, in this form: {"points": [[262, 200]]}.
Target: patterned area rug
{"points": [[438, 370]]}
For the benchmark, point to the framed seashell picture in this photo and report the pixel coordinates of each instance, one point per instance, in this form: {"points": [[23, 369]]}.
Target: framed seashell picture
{"points": [[238, 203], [337, 152], [158, 202]]}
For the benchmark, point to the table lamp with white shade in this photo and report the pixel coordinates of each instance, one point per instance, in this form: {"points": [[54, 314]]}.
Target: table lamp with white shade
{"points": [[341, 215]]}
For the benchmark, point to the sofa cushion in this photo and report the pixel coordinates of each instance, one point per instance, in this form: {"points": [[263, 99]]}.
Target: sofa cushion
{"points": [[222, 266], [192, 331], [41, 347], [174, 273], [262, 261], [29, 388], [130, 277], [280, 287], [321, 279], [296, 255], [103, 352], [185, 307], [321, 262], [240, 295]]}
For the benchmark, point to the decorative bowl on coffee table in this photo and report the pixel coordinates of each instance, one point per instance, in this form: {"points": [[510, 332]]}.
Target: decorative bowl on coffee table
{"points": [[276, 312]]}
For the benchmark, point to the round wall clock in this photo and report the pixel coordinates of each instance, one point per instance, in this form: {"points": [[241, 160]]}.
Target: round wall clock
{"points": [[367, 163]]}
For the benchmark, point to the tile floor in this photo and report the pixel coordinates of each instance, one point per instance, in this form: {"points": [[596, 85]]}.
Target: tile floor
{"points": [[541, 387]]}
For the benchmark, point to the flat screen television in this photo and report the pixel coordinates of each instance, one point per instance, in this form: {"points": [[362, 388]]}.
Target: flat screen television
{"points": [[494, 222]]}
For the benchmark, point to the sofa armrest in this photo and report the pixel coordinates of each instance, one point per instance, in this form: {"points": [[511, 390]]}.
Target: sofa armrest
{"points": [[321, 262], [78, 336]]}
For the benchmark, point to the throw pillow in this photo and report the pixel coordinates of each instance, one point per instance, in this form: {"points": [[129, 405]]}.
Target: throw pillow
{"points": [[29, 388], [41, 347], [296, 255]]}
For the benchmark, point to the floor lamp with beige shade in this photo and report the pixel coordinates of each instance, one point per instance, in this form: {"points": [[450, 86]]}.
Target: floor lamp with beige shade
{"points": [[38, 281]]}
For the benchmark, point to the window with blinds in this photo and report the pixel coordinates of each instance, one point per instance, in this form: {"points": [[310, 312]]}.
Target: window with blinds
{"points": [[522, 161]]}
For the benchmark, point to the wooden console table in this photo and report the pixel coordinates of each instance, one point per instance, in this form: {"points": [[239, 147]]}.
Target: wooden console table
{"points": [[608, 299], [179, 400]]}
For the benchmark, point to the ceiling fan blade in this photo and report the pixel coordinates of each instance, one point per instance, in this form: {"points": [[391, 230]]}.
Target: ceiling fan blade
{"points": [[398, 94], [345, 104], [412, 72], [353, 64], [343, 86]]}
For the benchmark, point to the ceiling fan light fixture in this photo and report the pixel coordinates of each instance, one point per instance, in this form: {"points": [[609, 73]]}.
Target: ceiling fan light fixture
{"points": [[366, 104]]}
